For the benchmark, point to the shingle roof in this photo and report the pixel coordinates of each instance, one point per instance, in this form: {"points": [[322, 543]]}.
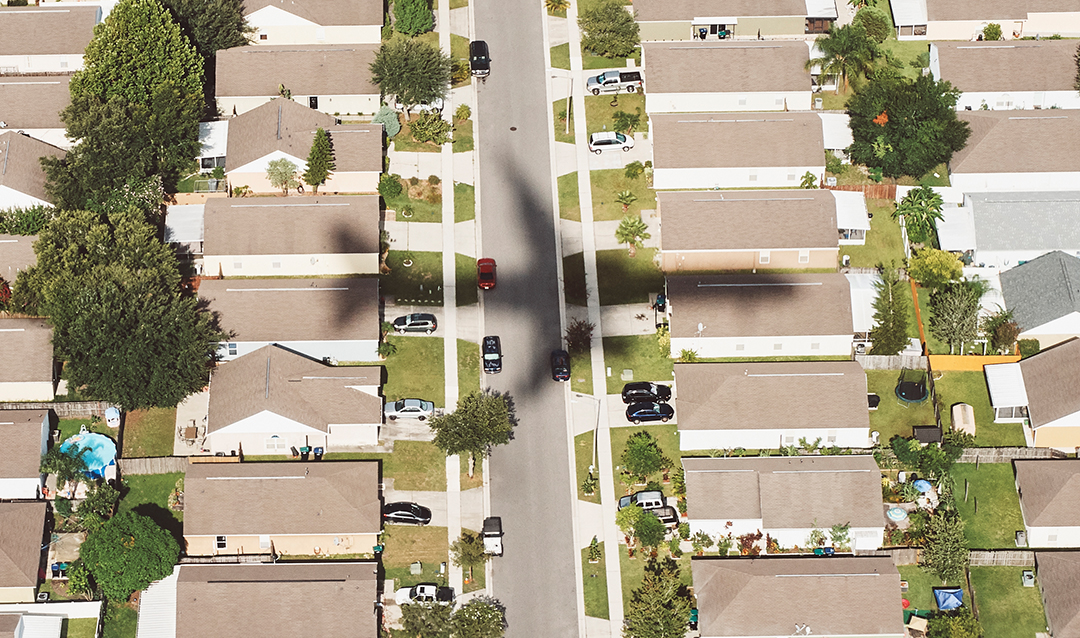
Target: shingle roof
{"points": [[1059, 580], [20, 166], [776, 395], [33, 101], [1042, 290], [726, 67], [251, 499], [1049, 492], [994, 148], [296, 309], [28, 351], [312, 225], [8, 624], [283, 600], [987, 10], [737, 140], [20, 455], [1051, 379], [669, 10], [277, 380], [1026, 221], [325, 69], [22, 526], [773, 596], [16, 255], [751, 220], [766, 305], [38, 30], [325, 12], [1007, 66]]}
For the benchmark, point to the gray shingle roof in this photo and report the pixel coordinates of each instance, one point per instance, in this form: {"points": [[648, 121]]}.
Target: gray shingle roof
{"points": [[21, 528], [726, 67], [43, 30], [1007, 66], [993, 146], [987, 10], [20, 455], [1043, 289], [28, 351], [1051, 379], [16, 255], [1049, 491], [313, 225], [20, 165], [1026, 221], [1059, 580], [33, 101], [737, 140], [325, 69]]}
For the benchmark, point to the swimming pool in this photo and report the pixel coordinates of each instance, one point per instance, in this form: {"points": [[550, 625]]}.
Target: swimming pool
{"points": [[100, 451]]}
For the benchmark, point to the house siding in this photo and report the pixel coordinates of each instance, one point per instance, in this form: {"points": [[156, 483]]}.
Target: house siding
{"points": [[353, 182], [998, 100], [1062, 437], [717, 102], [792, 346], [17, 594], [308, 34], [742, 177], [1002, 182], [27, 391], [20, 488], [284, 544], [351, 350], [967, 29], [1064, 537], [330, 104], [64, 63], [770, 438], [309, 265], [676, 262]]}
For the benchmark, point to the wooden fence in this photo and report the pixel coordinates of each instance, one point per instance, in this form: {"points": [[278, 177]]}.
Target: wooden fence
{"points": [[1007, 454], [63, 409], [968, 363], [898, 362], [871, 191], [152, 465], [1002, 558]]}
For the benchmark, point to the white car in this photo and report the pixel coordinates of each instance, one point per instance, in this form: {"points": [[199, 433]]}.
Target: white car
{"points": [[409, 409], [599, 142], [424, 593], [436, 106]]}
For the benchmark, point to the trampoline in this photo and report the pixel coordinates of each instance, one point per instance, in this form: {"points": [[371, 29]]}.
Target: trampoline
{"points": [[100, 451], [911, 388]]}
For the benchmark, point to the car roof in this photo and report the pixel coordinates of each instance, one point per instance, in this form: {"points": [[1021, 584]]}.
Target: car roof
{"points": [[649, 493], [604, 135]]}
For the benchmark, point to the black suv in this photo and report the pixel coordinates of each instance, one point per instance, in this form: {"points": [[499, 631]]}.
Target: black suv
{"points": [[645, 391], [492, 351], [479, 62], [560, 365], [416, 322]]}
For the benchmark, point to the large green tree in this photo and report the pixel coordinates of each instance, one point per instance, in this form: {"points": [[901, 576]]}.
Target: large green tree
{"points": [[920, 210], [643, 455], [413, 17], [954, 315], [945, 554], [891, 306], [412, 70], [483, 419], [632, 230], [426, 620], [211, 25], [934, 268], [846, 51], [127, 553], [320, 160], [660, 608], [608, 29], [481, 617]]}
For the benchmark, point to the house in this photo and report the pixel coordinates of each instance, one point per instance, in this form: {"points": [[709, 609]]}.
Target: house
{"points": [[22, 180], [1049, 490], [314, 23], [22, 529], [736, 150], [16, 255], [284, 129], [18, 623], [998, 75], [32, 104], [25, 434], [789, 229], [332, 78], [1044, 297], [325, 319], [43, 39], [313, 236], [271, 600], [726, 76], [763, 315], [965, 19], [739, 19], [1010, 151], [771, 405], [1039, 392], [273, 400], [283, 509], [774, 597], [786, 497], [28, 373], [1057, 579]]}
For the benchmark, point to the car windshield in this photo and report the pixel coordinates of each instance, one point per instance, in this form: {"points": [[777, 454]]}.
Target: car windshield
{"points": [[491, 356], [620, 137], [600, 78]]}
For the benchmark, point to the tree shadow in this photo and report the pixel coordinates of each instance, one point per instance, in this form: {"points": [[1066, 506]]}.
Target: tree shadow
{"points": [[165, 519]]}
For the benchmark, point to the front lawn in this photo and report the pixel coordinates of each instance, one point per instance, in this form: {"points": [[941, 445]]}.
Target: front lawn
{"points": [[1007, 609], [667, 437], [581, 372], [574, 279], [404, 142], [149, 432], [423, 209], [468, 366], [595, 584], [590, 61], [623, 279], [970, 387], [405, 544], [463, 136], [893, 416], [633, 571], [419, 284], [583, 458], [465, 276], [560, 56], [884, 243], [639, 353], [599, 111], [464, 202], [991, 511], [415, 370], [564, 132], [569, 202], [415, 466], [606, 186]]}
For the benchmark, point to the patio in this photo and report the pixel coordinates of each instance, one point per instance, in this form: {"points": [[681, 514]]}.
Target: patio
{"points": [[191, 416]]}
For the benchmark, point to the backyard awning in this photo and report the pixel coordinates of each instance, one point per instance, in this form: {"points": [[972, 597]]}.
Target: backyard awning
{"points": [[1006, 383], [863, 294], [956, 229], [949, 598], [851, 213], [908, 13], [834, 126]]}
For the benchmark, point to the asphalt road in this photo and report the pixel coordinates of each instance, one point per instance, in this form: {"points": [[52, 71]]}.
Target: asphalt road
{"points": [[530, 477]]}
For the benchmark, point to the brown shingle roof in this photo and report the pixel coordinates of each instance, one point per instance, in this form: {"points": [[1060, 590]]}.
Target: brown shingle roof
{"points": [[279, 381], [324, 69], [330, 598], [762, 305], [1051, 379], [1019, 142], [16, 255], [33, 101], [296, 309], [22, 526], [786, 492], [325, 12], [797, 394], [20, 166], [282, 498], [1008, 66], [668, 10], [988, 10], [8, 624], [1049, 492], [737, 140], [726, 67], [1059, 580], [28, 351], [772, 596], [45, 31], [20, 455], [312, 225], [751, 220]]}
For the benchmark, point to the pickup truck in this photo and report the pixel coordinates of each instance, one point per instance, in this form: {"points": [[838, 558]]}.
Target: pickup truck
{"points": [[492, 533], [614, 82]]}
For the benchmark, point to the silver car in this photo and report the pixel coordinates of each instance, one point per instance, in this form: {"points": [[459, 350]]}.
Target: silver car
{"points": [[409, 409]]}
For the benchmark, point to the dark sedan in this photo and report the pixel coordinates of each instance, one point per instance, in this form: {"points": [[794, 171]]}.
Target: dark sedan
{"points": [[560, 365], [406, 513], [640, 391], [492, 349], [639, 412]]}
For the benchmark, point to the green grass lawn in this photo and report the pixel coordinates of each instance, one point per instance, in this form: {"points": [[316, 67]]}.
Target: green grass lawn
{"points": [[406, 544], [464, 202], [831, 101], [893, 417], [477, 479], [418, 284], [148, 494], [583, 457], [581, 372], [459, 4], [970, 387], [921, 588], [78, 628], [149, 432], [560, 56], [463, 136], [415, 370], [1007, 609], [906, 52], [595, 584], [666, 435], [574, 279], [639, 353], [590, 61], [422, 210], [414, 465], [404, 142], [606, 186], [933, 345], [459, 44], [564, 132], [70, 427], [569, 202], [623, 279], [599, 111], [991, 488], [884, 244], [465, 276], [121, 621], [468, 366]]}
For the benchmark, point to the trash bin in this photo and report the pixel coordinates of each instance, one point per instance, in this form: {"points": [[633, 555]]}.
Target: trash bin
{"points": [[304, 453], [318, 453]]}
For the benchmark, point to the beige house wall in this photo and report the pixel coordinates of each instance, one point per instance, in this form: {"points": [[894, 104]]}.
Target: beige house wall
{"points": [[310, 34], [287, 545], [967, 29], [1063, 437], [329, 104], [358, 182], [27, 391], [658, 31], [291, 265], [746, 27], [17, 594], [1046, 340], [674, 261], [1051, 23]]}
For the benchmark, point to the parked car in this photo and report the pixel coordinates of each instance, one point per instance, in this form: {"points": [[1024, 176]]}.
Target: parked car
{"points": [[409, 409], [614, 81], [435, 106], [424, 593], [485, 273], [492, 350], [406, 513], [647, 500], [668, 515], [479, 62], [640, 391], [599, 142], [560, 365], [638, 412], [493, 533], [416, 322]]}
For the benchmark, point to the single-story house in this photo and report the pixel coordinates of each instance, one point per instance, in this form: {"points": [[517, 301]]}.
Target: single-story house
{"points": [[22, 530], [285, 129], [298, 509], [786, 497], [272, 600], [311, 23], [332, 78], [965, 19], [1040, 392], [1044, 297], [273, 400], [214, 138], [22, 180], [998, 75], [771, 405], [740, 19], [1049, 490], [1057, 578], [325, 319], [1011, 151], [43, 39], [686, 77], [779, 597], [735, 150], [25, 434], [291, 237], [32, 104], [762, 315], [29, 373], [16, 255]]}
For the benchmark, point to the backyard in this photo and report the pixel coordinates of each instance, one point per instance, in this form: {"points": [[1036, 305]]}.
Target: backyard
{"points": [[149, 432], [78, 628], [148, 494], [1007, 609], [417, 284], [623, 279], [894, 417], [595, 585], [884, 243], [415, 369], [987, 502], [639, 354], [970, 387], [921, 588], [121, 621], [606, 186]]}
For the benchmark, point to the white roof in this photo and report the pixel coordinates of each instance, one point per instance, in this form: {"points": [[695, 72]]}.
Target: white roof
{"points": [[821, 9], [993, 300], [956, 230], [214, 137], [851, 210], [834, 126], [34, 626], [157, 609], [184, 224], [862, 300], [908, 12], [1006, 381]]}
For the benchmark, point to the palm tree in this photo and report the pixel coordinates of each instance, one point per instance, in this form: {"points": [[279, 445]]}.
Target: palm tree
{"points": [[846, 51], [624, 121], [557, 6], [632, 231], [921, 209], [625, 198]]}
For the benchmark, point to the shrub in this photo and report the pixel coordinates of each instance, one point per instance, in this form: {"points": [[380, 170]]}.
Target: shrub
{"points": [[684, 531], [430, 127], [588, 486], [459, 72], [25, 221], [1028, 347], [992, 31], [748, 544], [688, 356], [62, 505], [433, 180], [390, 185], [663, 340], [463, 112], [17, 3], [595, 553], [579, 335], [633, 170], [833, 164], [390, 120], [876, 23], [414, 180], [413, 17]]}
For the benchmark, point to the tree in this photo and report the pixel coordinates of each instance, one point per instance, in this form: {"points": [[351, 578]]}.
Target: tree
{"points": [[281, 173], [846, 51], [934, 268], [481, 617], [649, 530], [954, 315], [129, 552], [660, 608], [67, 467], [958, 623], [211, 25], [98, 506], [946, 552], [426, 620], [468, 551], [320, 160], [579, 335], [643, 455], [632, 231], [413, 17], [634, 170], [79, 582], [412, 70], [623, 121], [626, 519], [625, 198], [483, 419], [1001, 330], [890, 332], [609, 30], [920, 210], [875, 22], [992, 32], [556, 6]]}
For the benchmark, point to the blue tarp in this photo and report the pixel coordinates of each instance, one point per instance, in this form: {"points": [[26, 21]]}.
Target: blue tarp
{"points": [[922, 486], [949, 598]]}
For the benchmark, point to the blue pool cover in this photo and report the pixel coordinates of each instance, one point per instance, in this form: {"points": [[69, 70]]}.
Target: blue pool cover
{"points": [[100, 451]]}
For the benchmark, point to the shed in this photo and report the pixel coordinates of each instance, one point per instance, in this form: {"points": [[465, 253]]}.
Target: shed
{"points": [[963, 418]]}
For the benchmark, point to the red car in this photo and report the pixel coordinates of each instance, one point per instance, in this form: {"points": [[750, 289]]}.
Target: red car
{"points": [[485, 273]]}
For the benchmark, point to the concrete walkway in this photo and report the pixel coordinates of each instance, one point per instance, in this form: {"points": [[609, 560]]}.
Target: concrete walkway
{"points": [[414, 164]]}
